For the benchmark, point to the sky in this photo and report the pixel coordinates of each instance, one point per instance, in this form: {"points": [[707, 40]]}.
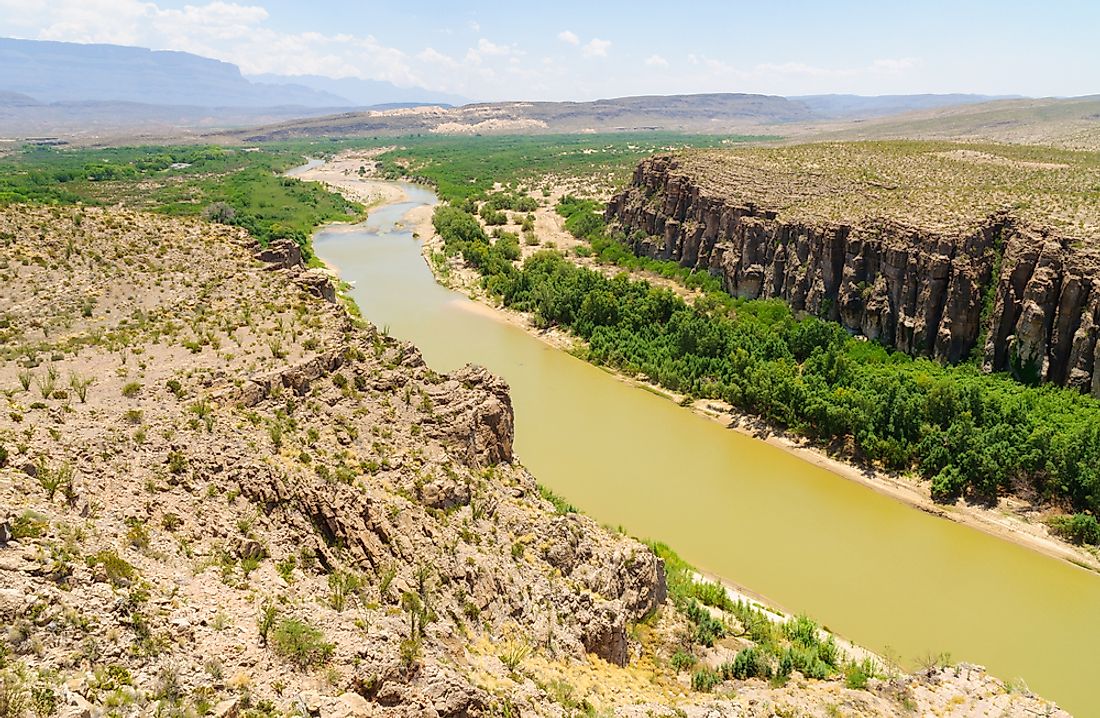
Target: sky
{"points": [[567, 50]]}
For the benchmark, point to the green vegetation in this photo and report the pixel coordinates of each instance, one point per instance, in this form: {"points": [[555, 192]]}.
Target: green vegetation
{"points": [[796, 644], [469, 167], [299, 642], [231, 186], [969, 433]]}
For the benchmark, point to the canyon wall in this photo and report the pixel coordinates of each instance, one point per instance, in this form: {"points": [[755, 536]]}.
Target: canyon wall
{"points": [[1026, 300]]}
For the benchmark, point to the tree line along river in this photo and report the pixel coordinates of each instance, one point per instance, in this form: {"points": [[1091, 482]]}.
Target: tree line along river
{"points": [[880, 573]]}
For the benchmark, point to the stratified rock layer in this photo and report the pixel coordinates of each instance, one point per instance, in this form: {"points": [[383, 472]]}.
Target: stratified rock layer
{"points": [[1029, 298]]}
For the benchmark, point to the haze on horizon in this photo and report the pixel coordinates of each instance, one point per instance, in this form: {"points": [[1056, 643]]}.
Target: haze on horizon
{"points": [[583, 51]]}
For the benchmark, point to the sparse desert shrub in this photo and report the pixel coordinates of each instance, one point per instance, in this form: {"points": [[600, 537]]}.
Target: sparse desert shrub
{"points": [[302, 644], [80, 384], [748, 663], [514, 654], [177, 462], [44, 700], [219, 212], [682, 660], [25, 378], [857, 673], [131, 389], [29, 524], [48, 383], [137, 534], [266, 620], [285, 568], [704, 680], [14, 696], [119, 572], [342, 584]]}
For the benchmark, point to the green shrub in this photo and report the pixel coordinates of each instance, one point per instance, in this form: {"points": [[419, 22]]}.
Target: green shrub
{"points": [[119, 572], [748, 663], [302, 644], [708, 629], [131, 389], [29, 524], [1078, 528], [682, 660], [857, 673], [704, 680], [342, 585], [265, 621]]}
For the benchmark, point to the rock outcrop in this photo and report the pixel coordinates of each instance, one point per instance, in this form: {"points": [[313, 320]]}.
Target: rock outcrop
{"points": [[1022, 297]]}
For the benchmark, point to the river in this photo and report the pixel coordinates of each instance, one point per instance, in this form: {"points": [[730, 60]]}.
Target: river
{"points": [[878, 572]]}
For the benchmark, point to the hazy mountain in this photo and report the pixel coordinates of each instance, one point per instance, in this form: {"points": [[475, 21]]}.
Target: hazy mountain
{"points": [[1070, 122], [366, 92], [72, 72], [674, 113], [864, 106]]}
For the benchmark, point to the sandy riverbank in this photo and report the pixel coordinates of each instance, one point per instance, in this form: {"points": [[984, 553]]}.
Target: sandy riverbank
{"points": [[1007, 521], [348, 174]]}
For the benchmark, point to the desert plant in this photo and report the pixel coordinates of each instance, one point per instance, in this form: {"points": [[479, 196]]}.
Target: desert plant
{"points": [[301, 643], [266, 620], [705, 679], [80, 384], [48, 383], [44, 700], [29, 524], [514, 654], [177, 462], [25, 378], [119, 571], [748, 663], [857, 673], [342, 584], [682, 660], [137, 534], [14, 696], [131, 389]]}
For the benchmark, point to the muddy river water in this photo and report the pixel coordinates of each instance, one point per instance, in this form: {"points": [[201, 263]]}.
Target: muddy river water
{"points": [[878, 572]]}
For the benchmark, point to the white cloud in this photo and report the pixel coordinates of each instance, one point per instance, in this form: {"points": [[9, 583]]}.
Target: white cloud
{"points": [[474, 25], [486, 47], [569, 38], [894, 65], [596, 48], [656, 61]]}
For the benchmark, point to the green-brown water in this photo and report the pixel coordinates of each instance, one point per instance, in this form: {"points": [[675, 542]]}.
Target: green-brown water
{"points": [[880, 573]]}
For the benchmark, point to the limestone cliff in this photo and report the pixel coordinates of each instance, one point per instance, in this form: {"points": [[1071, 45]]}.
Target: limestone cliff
{"points": [[1023, 296]]}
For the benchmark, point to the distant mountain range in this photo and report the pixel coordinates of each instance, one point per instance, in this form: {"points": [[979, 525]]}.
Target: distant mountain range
{"points": [[75, 89], [363, 93], [862, 107], [61, 72]]}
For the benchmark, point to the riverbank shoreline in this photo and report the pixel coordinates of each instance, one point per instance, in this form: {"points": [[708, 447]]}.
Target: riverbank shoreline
{"points": [[1004, 522]]}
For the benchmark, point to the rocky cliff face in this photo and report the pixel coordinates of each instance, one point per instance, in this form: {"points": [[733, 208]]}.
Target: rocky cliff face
{"points": [[1026, 299]]}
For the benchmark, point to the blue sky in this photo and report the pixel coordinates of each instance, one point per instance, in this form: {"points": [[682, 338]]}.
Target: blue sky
{"points": [[584, 50]]}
